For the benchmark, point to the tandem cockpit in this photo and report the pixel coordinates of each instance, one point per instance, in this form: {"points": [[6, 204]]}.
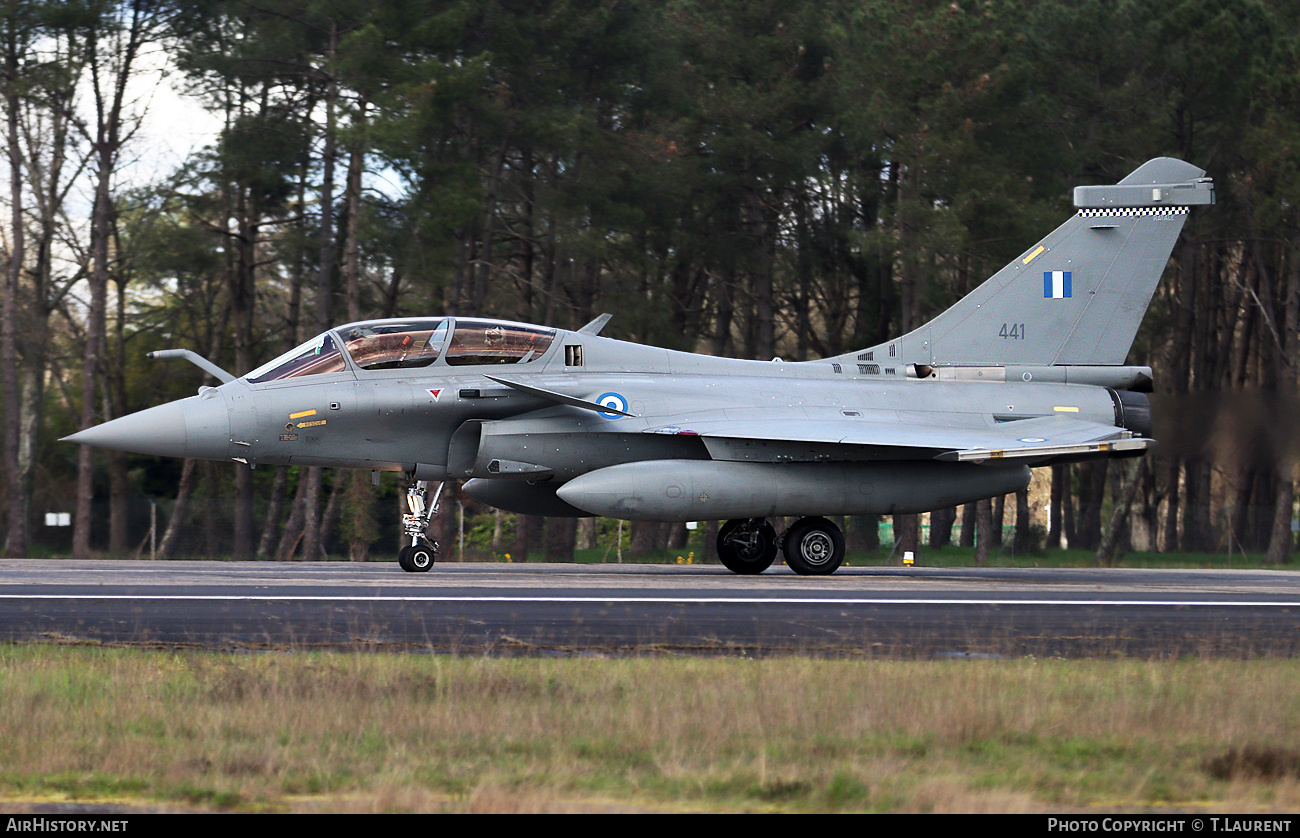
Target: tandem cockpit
{"points": [[402, 344]]}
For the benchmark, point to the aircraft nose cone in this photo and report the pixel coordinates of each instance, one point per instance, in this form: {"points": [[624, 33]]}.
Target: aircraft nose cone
{"points": [[193, 427]]}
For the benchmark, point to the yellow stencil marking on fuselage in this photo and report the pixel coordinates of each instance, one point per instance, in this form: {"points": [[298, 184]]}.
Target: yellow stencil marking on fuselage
{"points": [[301, 414], [1059, 409], [312, 424], [1031, 257]]}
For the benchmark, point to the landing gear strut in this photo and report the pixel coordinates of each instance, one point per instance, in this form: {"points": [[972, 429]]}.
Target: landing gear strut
{"points": [[419, 555], [747, 545]]}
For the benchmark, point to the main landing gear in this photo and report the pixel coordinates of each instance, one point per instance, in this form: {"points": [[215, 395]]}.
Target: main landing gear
{"points": [[813, 546], [420, 554], [747, 545]]}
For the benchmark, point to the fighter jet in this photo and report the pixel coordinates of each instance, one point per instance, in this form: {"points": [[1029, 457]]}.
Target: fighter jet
{"points": [[1027, 370]]}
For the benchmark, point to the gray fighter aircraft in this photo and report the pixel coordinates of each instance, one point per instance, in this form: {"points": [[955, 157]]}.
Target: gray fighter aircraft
{"points": [[1027, 370]]}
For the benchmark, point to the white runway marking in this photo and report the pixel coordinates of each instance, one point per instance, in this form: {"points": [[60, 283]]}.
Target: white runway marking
{"points": [[616, 600]]}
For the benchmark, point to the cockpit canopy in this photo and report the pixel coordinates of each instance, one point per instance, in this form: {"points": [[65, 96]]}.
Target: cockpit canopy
{"points": [[410, 344], [388, 345]]}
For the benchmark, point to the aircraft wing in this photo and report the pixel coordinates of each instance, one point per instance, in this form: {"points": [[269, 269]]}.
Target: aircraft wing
{"points": [[1037, 438]]}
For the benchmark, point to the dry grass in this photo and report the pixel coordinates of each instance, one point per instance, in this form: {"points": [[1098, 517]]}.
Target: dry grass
{"points": [[354, 732]]}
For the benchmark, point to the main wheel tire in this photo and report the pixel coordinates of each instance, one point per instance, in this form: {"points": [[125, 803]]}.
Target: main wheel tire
{"points": [[747, 546], [415, 559], [813, 547]]}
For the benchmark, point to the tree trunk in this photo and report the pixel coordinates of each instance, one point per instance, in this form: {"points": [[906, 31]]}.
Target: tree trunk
{"points": [[862, 533], [1281, 540], [362, 528], [1094, 481], [907, 532], [324, 289], [1110, 540], [983, 531], [294, 527], [587, 534], [109, 76], [271, 525], [1023, 540], [92, 366], [15, 497], [180, 511], [646, 536], [941, 521], [1169, 542], [311, 520], [560, 536], [330, 519], [527, 531], [968, 524], [118, 505], [115, 405], [1054, 513]]}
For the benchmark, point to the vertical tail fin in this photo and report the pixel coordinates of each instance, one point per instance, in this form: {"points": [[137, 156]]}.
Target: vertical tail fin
{"points": [[1078, 296]]}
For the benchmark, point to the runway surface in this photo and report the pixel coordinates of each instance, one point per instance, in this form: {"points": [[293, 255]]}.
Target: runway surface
{"points": [[640, 609]]}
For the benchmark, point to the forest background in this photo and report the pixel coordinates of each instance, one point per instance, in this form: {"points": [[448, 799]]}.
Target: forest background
{"points": [[747, 178]]}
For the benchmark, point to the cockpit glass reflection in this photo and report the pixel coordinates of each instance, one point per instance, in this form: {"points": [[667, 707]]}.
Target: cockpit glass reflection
{"points": [[316, 356], [493, 342], [395, 346]]}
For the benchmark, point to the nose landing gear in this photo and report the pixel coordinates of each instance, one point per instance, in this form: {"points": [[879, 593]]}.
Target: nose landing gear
{"points": [[420, 554]]}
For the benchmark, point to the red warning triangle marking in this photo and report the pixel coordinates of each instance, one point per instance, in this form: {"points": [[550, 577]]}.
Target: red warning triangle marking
{"points": [[436, 394]]}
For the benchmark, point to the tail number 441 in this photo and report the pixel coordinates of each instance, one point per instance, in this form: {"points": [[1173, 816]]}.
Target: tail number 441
{"points": [[1012, 331]]}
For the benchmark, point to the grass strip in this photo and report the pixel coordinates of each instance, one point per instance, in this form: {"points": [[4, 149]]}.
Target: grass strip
{"points": [[405, 732]]}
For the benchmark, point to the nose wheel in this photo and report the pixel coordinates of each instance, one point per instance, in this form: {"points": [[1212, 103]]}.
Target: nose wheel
{"points": [[415, 559], [420, 554]]}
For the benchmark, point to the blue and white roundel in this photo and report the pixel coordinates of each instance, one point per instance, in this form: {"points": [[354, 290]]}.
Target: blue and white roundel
{"points": [[1031, 439], [614, 400]]}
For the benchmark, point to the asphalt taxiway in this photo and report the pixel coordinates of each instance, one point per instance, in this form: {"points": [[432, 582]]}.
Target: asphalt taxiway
{"points": [[640, 609]]}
